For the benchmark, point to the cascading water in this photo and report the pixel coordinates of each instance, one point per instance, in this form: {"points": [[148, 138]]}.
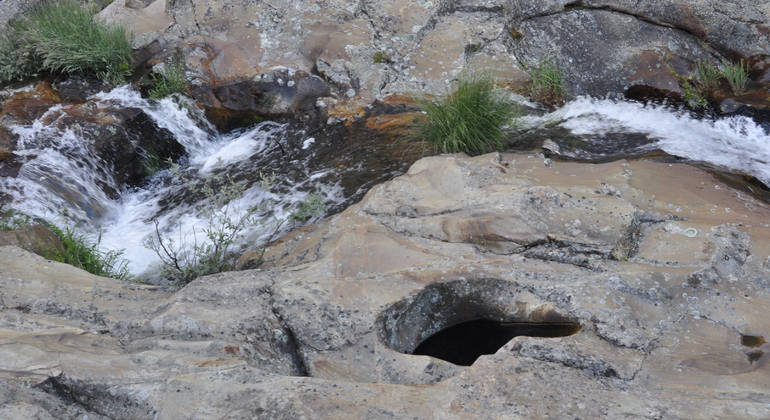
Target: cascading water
{"points": [[606, 127], [61, 182]]}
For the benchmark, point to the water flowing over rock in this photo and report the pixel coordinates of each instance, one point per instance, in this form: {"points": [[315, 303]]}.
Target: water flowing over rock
{"points": [[670, 330]]}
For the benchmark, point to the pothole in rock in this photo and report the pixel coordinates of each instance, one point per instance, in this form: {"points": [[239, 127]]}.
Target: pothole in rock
{"points": [[461, 320]]}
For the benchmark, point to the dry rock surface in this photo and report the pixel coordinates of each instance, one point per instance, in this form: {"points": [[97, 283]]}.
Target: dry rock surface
{"points": [[312, 58], [664, 269]]}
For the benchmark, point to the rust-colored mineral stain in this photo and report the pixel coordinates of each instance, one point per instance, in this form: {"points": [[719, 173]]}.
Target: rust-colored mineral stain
{"points": [[752, 340]]}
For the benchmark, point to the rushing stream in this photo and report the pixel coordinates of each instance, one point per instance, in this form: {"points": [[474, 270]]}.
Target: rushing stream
{"points": [[61, 183]]}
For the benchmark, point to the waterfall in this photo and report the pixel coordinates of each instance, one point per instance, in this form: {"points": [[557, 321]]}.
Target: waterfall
{"points": [[62, 183]]}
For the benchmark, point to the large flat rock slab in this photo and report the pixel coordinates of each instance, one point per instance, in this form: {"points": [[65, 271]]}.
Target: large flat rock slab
{"points": [[663, 269]]}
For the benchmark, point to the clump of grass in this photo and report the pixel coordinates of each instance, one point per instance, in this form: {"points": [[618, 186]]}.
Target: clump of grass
{"points": [[382, 57], [78, 252], [707, 76], [474, 119], [547, 85], [64, 37], [737, 75], [17, 57], [170, 80], [76, 249]]}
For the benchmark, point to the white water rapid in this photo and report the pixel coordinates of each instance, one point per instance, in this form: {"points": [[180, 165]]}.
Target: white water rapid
{"points": [[61, 183], [735, 144]]}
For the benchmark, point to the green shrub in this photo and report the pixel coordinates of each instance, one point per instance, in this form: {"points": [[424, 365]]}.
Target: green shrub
{"points": [[547, 84], [474, 119], [171, 79], [64, 37], [737, 75], [382, 57]]}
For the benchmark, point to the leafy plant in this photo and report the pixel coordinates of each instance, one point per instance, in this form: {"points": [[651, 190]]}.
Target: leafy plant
{"points": [[694, 93], [737, 75], [213, 249], [473, 119], [170, 80], [64, 37], [547, 85], [81, 254]]}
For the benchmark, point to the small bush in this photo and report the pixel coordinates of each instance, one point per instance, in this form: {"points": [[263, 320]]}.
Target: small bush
{"points": [[17, 57], [64, 37], [214, 249], [172, 79], [382, 57], [474, 119], [547, 85], [737, 75]]}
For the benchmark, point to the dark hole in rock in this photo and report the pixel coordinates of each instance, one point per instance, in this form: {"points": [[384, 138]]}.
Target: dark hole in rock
{"points": [[752, 340], [458, 321], [463, 343], [755, 355]]}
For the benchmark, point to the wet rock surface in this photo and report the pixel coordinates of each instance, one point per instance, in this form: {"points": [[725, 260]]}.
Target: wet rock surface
{"points": [[677, 328]]}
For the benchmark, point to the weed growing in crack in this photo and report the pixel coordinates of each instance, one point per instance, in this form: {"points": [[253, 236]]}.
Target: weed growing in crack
{"points": [[170, 80], [547, 84], [737, 75]]}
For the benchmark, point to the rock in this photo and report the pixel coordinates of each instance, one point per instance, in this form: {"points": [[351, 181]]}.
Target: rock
{"points": [[120, 138], [36, 238], [328, 324], [747, 21], [604, 52], [77, 89], [366, 52], [274, 94]]}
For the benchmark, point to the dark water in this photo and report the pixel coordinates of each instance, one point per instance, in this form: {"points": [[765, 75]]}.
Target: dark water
{"points": [[463, 343]]}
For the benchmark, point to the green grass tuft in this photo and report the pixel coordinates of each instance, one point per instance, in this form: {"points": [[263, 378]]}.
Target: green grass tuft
{"points": [[171, 79], [474, 119], [737, 75], [547, 85], [64, 37], [707, 76], [81, 254]]}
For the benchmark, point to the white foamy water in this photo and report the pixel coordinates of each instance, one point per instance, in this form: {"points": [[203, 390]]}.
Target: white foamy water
{"points": [[63, 184], [737, 144]]}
